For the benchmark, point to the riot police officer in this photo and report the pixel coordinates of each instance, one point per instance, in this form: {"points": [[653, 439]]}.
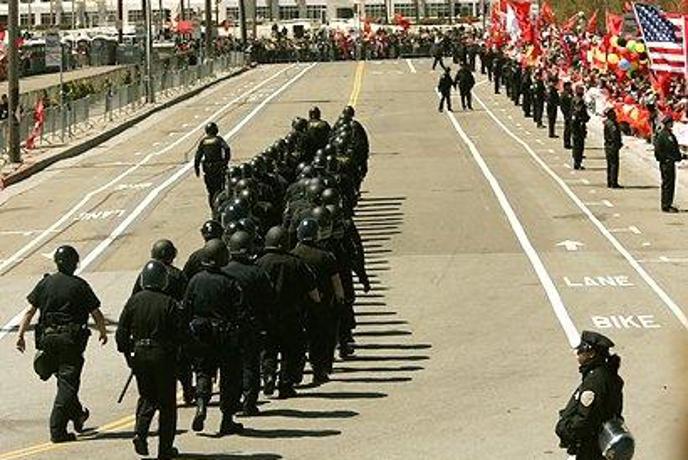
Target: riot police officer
{"points": [[210, 230], [149, 334], [258, 300], [318, 131], [321, 319], [612, 145], [597, 399], [667, 153], [294, 286], [213, 302], [64, 301], [213, 154], [579, 130]]}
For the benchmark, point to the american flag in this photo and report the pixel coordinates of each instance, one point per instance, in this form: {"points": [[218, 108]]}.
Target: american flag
{"points": [[665, 38]]}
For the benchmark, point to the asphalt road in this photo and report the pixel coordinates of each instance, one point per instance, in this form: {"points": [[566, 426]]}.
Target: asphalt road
{"points": [[489, 255]]}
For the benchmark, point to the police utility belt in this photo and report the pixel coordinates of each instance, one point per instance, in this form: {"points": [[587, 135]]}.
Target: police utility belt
{"points": [[213, 332]]}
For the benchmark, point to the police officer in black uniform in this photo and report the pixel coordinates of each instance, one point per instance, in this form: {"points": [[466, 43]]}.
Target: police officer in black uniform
{"points": [[444, 86], [552, 107], [539, 93], [566, 103], [597, 399], [465, 82], [527, 92], [579, 130], [210, 230], [213, 301], [65, 302], [258, 300], [497, 63], [667, 153], [612, 145], [295, 287], [149, 334], [318, 131], [213, 154], [321, 319]]}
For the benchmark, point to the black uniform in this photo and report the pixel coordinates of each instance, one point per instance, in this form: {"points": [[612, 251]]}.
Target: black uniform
{"points": [[64, 302], [292, 280], [527, 91], [321, 319], [318, 133], [497, 62], [437, 53], [566, 102], [213, 154], [445, 86], [149, 333], [193, 264], [579, 130], [597, 400], [465, 82], [612, 145], [667, 152], [213, 302], [552, 109], [516, 77], [258, 300], [539, 101]]}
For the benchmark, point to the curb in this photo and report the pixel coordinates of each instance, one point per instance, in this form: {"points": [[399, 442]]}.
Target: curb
{"points": [[40, 165]]}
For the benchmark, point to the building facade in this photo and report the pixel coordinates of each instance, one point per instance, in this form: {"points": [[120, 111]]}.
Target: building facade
{"points": [[93, 13]]}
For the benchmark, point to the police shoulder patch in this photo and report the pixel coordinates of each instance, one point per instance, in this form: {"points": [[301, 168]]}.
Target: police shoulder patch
{"points": [[587, 398]]}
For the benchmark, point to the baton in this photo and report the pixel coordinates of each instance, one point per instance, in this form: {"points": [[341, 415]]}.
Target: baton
{"points": [[126, 387]]}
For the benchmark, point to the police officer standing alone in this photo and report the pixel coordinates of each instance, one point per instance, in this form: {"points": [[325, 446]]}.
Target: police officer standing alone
{"points": [[667, 153], [465, 82], [579, 130], [552, 107], [612, 145], [597, 399], [64, 301], [149, 334], [213, 154], [445, 86]]}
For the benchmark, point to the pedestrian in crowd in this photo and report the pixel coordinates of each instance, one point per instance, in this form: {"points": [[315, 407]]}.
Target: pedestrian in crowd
{"points": [[612, 145], [598, 398], [465, 81], [65, 302], [444, 87], [667, 153]]}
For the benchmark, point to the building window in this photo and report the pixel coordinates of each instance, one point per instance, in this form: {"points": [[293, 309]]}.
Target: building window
{"points": [[232, 13], [407, 10], [289, 12], [375, 12], [66, 18], [24, 19], [345, 13], [316, 11], [48, 19], [263, 12], [135, 16], [437, 10]]}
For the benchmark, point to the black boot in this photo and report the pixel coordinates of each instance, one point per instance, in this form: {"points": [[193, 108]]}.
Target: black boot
{"points": [[229, 426], [140, 446], [199, 418]]}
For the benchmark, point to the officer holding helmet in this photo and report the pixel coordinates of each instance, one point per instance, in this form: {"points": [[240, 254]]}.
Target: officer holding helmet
{"points": [[149, 334], [213, 154], [597, 399], [65, 302]]}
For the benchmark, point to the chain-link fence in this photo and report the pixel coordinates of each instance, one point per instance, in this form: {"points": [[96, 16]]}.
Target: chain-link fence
{"points": [[79, 116]]}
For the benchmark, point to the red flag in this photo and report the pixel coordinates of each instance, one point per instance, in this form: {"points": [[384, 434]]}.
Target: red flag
{"points": [[547, 14], [592, 23], [570, 23], [614, 23]]}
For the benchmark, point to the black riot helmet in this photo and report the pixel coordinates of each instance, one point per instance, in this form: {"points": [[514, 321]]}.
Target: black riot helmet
{"points": [[307, 230], [314, 113], [329, 149], [330, 196], [324, 218], [313, 192], [240, 245], [331, 164], [234, 171], [276, 238], [299, 124], [235, 211], [67, 259], [258, 164], [211, 229], [215, 254], [154, 276], [211, 129], [348, 113], [281, 145], [246, 170], [247, 225], [164, 251], [319, 162]]}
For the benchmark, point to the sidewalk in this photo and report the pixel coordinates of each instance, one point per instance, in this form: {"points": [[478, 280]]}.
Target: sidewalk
{"points": [[99, 129], [38, 82]]}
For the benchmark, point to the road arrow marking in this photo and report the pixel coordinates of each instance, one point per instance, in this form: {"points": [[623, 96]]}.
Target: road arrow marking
{"points": [[570, 245]]}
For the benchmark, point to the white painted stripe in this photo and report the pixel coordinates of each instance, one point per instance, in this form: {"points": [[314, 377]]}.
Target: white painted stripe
{"points": [[411, 66], [545, 279], [659, 291], [103, 245]]}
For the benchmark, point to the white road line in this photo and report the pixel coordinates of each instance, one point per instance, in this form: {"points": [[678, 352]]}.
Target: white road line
{"points": [[545, 279], [139, 209], [661, 293]]}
